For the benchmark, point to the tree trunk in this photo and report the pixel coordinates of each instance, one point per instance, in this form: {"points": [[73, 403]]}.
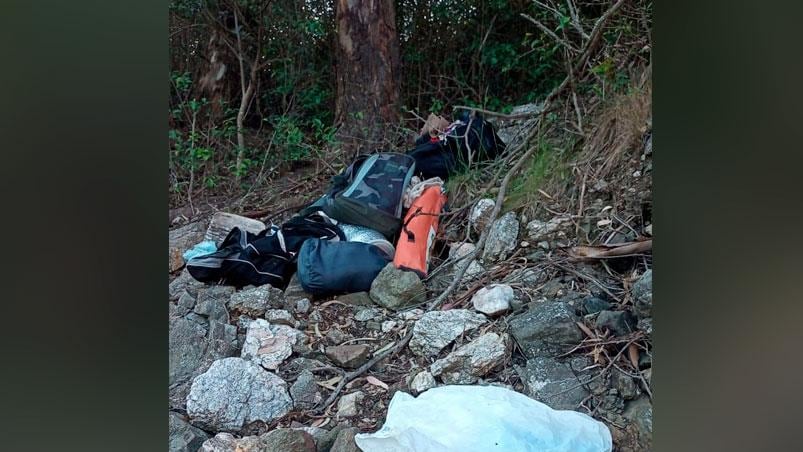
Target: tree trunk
{"points": [[367, 72]]}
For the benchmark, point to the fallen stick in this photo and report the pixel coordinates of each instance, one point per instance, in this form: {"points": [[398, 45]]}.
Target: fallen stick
{"points": [[584, 253], [364, 368]]}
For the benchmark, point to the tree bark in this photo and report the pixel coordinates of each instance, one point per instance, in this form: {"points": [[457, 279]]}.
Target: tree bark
{"points": [[367, 70]]}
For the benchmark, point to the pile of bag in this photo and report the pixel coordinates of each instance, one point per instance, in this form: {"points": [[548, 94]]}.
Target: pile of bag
{"points": [[340, 243]]}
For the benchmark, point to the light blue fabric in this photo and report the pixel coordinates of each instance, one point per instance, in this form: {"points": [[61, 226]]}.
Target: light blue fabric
{"points": [[201, 249]]}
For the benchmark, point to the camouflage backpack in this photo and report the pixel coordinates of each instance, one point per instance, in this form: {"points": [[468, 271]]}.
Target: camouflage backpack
{"points": [[369, 192]]}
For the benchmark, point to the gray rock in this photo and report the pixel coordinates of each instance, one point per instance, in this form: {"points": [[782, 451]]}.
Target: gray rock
{"points": [[183, 436], [305, 391], [315, 317], [553, 229], [280, 317], [546, 329], [183, 282], [347, 405], [255, 301], [645, 325], [192, 349], [396, 289], [458, 250], [182, 239], [437, 329], [388, 325], [328, 439], [297, 365], [185, 303], [348, 356], [555, 383], [294, 291], [367, 314], [619, 323], [336, 337], [480, 215], [502, 238], [642, 295], [472, 360], [223, 222], [593, 305], [226, 442], [234, 393], [277, 440], [287, 440], [422, 381], [493, 300], [303, 305], [317, 433], [212, 303], [344, 442], [639, 413], [624, 384], [269, 345], [356, 299]]}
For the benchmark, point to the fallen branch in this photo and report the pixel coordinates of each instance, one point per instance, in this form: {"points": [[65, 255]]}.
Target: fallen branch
{"points": [[364, 368], [583, 253]]}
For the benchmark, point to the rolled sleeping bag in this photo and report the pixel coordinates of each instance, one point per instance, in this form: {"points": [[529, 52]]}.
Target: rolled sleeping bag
{"points": [[418, 231], [330, 268]]}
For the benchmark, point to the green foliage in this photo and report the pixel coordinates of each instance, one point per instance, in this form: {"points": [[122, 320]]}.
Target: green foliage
{"points": [[546, 164]]}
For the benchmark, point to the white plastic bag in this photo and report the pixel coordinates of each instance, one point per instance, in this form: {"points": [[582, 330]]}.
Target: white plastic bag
{"points": [[481, 419]]}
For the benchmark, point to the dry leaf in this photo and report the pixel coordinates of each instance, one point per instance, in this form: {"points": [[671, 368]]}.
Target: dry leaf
{"points": [[376, 382], [632, 351], [605, 222], [321, 422]]}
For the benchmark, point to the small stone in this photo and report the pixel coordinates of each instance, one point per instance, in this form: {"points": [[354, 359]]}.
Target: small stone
{"points": [[280, 317], [287, 440], [388, 325], [472, 360], [437, 329], [639, 413], [637, 173], [619, 323], [593, 305], [396, 289], [412, 314], [642, 295], [256, 300], [546, 329], [328, 439], [223, 222], [347, 405], [235, 392], [294, 291], [212, 303], [544, 245], [356, 299], [344, 442], [645, 325], [315, 317], [183, 436], [305, 392], [493, 300], [648, 230], [348, 356], [624, 384], [269, 345], [502, 238], [373, 325], [303, 306], [480, 214], [367, 314], [185, 304], [336, 337], [422, 381], [553, 229]]}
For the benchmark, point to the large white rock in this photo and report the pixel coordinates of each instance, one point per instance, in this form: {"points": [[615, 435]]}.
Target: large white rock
{"points": [[494, 299], [437, 329], [235, 392], [269, 344]]}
